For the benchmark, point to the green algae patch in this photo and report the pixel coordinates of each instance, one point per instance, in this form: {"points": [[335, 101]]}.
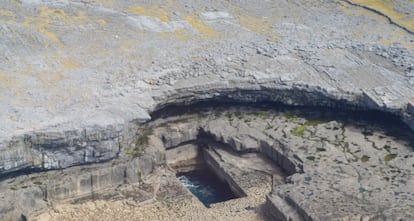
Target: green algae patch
{"points": [[365, 158], [299, 131], [390, 157]]}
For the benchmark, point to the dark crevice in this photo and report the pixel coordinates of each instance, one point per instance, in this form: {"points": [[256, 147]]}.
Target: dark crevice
{"points": [[180, 144], [21, 172], [390, 123], [178, 109], [30, 170]]}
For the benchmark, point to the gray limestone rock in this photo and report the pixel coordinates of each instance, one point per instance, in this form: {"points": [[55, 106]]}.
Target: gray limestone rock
{"points": [[79, 78]]}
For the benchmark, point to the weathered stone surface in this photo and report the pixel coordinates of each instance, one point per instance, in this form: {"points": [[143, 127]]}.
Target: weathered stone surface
{"points": [[335, 161], [184, 158], [177, 135], [75, 75], [78, 78], [28, 193]]}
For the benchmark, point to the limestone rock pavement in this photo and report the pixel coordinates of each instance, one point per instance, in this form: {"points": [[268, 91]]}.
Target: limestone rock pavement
{"points": [[78, 78]]}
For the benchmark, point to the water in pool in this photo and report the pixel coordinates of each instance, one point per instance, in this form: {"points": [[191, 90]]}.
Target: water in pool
{"points": [[206, 186]]}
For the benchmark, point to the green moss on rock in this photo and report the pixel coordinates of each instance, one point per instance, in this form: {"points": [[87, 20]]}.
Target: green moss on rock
{"points": [[390, 157], [365, 158], [299, 131], [314, 122]]}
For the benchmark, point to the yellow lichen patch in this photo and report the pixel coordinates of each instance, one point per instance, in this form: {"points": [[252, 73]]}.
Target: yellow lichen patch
{"points": [[101, 22], [357, 11], [71, 63], [8, 82], [254, 24], [47, 33], [387, 8], [13, 118], [2, 78], [7, 15], [180, 34], [42, 22], [393, 37], [48, 16], [106, 3], [50, 78], [258, 25], [153, 11], [58, 16], [204, 29]]}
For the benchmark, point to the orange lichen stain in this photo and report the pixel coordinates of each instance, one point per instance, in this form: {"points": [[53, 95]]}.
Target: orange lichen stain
{"points": [[204, 29], [153, 11], [387, 7]]}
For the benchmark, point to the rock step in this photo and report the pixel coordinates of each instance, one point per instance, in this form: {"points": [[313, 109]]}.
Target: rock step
{"points": [[279, 210]]}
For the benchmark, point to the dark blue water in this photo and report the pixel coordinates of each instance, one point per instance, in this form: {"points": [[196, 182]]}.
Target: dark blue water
{"points": [[206, 186]]}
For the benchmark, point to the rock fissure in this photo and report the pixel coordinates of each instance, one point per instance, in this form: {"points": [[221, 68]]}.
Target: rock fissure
{"points": [[390, 19]]}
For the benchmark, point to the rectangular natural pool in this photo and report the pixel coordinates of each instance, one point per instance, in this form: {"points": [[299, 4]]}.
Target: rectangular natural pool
{"points": [[206, 186]]}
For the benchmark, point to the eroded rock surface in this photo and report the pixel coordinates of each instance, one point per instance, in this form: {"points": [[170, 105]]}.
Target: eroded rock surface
{"points": [[79, 79], [73, 71], [339, 166]]}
